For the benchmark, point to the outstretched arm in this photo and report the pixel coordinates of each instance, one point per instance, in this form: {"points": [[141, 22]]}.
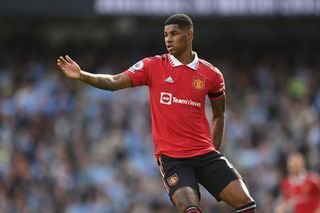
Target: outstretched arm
{"points": [[102, 81], [218, 120]]}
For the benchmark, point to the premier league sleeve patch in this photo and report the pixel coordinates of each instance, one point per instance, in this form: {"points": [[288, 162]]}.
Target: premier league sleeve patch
{"points": [[137, 66]]}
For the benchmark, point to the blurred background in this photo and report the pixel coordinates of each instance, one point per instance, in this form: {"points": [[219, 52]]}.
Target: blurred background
{"points": [[68, 147]]}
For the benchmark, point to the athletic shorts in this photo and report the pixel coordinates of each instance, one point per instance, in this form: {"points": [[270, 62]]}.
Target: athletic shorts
{"points": [[212, 170]]}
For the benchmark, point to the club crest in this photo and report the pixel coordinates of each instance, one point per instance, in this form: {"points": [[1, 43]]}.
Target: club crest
{"points": [[173, 180], [198, 83]]}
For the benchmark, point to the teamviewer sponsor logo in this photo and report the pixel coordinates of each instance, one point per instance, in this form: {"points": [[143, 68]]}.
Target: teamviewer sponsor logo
{"points": [[166, 98], [186, 102]]}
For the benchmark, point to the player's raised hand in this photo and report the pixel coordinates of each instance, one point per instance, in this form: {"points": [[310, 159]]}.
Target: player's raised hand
{"points": [[70, 68]]}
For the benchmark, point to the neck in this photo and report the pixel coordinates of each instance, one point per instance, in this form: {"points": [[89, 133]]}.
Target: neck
{"points": [[299, 173], [186, 57]]}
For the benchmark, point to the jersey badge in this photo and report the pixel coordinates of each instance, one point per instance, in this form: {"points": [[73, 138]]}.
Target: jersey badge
{"points": [[137, 66], [305, 189], [173, 180], [198, 83]]}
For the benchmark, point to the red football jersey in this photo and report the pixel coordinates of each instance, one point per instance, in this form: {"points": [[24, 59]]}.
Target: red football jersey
{"points": [[177, 98], [303, 193]]}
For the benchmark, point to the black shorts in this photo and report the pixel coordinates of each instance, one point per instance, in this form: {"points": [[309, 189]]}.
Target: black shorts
{"points": [[212, 170]]}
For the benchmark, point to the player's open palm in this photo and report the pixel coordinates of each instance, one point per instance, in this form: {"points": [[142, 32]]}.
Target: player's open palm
{"points": [[69, 67]]}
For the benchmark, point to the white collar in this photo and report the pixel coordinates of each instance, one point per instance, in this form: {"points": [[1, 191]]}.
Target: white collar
{"points": [[299, 178], [193, 65]]}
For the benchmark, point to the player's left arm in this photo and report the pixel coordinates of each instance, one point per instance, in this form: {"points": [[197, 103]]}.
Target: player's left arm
{"points": [[218, 105], [317, 182]]}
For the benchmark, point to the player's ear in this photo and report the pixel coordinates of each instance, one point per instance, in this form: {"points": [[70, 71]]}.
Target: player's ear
{"points": [[190, 34]]}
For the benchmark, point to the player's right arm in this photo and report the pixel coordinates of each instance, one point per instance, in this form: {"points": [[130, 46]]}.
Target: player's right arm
{"points": [[283, 201], [102, 81]]}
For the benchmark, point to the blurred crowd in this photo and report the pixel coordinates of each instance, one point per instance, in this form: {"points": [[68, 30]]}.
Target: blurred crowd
{"points": [[68, 147]]}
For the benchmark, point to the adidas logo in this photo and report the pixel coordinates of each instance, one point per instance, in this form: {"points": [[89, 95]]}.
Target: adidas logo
{"points": [[169, 80]]}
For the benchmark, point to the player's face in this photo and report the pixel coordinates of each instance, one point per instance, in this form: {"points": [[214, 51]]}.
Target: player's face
{"points": [[295, 164], [177, 40]]}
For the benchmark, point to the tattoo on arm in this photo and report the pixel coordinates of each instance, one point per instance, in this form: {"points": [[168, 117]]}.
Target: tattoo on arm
{"points": [[218, 132], [105, 81], [218, 122]]}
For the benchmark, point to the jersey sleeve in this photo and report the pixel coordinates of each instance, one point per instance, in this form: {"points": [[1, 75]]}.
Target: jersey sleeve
{"points": [[315, 178], [284, 189], [217, 87], [140, 73]]}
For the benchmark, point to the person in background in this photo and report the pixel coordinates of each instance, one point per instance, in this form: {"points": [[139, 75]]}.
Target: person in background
{"points": [[300, 190]]}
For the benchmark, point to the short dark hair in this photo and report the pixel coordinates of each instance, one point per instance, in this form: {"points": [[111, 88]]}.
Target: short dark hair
{"points": [[182, 20]]}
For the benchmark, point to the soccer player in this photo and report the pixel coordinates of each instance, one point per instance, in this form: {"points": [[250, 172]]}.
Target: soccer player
{"points": [[300, 190], [178, 83]]}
